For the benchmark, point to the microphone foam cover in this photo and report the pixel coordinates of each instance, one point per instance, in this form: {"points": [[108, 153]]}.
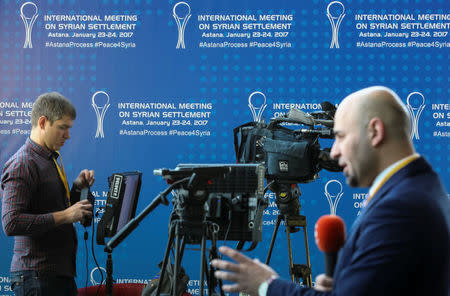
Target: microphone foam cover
{"points": [[329, 233]]}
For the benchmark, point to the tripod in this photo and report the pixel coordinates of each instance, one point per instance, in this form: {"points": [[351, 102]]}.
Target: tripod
{"points": [[184, 232], [287, 201]]}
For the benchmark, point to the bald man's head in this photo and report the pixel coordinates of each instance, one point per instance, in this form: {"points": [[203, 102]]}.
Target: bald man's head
{"points": [[381, 102], [372, 129]]}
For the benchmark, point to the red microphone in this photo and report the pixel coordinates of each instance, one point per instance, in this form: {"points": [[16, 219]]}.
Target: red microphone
{"points": [[329, 233]]}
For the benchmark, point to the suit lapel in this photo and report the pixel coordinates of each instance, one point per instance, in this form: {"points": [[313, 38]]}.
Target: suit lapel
{"points": [[410, 169]]}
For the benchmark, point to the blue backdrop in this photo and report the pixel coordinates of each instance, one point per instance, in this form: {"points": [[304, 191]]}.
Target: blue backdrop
{"points": [[157, 83]]}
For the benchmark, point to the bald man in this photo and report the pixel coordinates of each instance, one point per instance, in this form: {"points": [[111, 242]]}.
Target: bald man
{"points": [[399, 245]]}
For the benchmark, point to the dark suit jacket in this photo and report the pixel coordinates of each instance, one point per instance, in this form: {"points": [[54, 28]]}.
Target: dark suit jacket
{"points": [[399, 245]]}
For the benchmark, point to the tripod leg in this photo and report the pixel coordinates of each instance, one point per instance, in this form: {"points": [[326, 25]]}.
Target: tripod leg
{"points": [[109, 278], [272, 241], [291, 263], [209, 278], [166, 259], [183, 244], [213, 254], [209, 270], [178, 256], [202, 263], [308, 279]]}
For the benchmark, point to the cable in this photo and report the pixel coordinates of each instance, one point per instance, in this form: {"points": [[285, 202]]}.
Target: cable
{"points": [[230, 216], [87, 259], [93, 252], [268, 185]]}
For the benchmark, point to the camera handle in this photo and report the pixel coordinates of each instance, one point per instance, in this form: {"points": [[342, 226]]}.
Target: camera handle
{"points": [[296, 271]]}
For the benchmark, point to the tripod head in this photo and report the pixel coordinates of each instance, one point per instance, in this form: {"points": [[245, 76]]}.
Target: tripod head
{"points": [[287, 200]]}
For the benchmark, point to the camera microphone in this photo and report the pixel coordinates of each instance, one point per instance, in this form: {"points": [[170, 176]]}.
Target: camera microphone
{"points": [[158, 172], [324, 133], [300, 116]]}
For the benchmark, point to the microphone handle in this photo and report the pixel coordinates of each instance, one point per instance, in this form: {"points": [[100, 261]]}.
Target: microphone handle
{"points": [[330, 263]]}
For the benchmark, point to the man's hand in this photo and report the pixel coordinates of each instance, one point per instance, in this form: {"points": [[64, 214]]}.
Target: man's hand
{"points": [[84, 179], [247, 274], [324, 283], [77, 212]]}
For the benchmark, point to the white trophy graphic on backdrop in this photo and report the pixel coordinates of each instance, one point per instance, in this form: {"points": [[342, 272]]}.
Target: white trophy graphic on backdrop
{"points": [[333, 200], [335, 21], [93, 281], [100, 111], [28, 21], [181, 22], [257, 112], [415, 112]]}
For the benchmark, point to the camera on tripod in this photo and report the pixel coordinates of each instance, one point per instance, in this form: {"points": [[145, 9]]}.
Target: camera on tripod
{"points": [[212, 202], [228, 196], [290, 157]]}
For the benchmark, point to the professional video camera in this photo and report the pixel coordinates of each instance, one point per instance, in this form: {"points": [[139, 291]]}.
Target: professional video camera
{"points": [[291, 156], [229, 196]]}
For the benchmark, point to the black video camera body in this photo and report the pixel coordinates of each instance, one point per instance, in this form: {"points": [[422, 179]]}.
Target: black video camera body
{"points": [[290, 156]]}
